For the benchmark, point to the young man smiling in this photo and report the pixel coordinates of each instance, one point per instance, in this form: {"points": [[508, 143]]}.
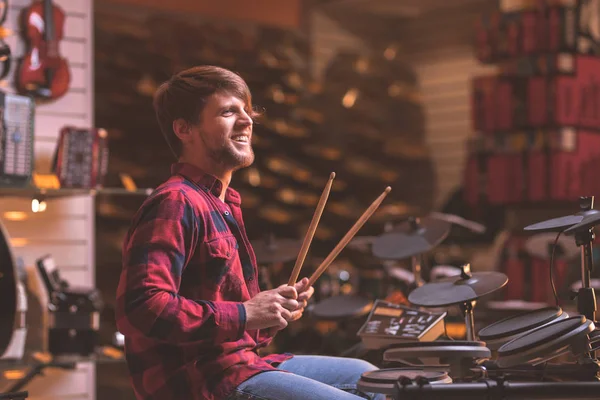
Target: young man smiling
{"points": [[188, 300]]}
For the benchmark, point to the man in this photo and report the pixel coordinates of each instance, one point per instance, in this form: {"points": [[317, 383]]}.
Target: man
{"points": [[188, 300]]}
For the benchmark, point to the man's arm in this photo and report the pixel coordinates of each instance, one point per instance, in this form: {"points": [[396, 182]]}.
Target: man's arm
{"points": [[161, 242]]}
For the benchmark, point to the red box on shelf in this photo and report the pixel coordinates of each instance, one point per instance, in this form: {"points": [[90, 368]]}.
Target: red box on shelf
{"points": [[563, 90], [551, 26], [531, 166]]}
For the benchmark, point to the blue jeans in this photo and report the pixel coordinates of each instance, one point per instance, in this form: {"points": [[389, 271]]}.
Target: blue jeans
{"points": [[311, 378]]}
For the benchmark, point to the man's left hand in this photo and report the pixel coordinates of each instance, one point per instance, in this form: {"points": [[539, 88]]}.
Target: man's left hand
{"points": [[305, 292]]}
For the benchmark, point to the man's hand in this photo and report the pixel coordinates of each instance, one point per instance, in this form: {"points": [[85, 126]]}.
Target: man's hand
{"points": [[277, 307], [272, 308], [305, 292]]}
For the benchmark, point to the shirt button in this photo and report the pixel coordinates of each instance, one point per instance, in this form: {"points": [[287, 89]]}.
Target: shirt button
{"points": [[226, 213], [250, 279]]}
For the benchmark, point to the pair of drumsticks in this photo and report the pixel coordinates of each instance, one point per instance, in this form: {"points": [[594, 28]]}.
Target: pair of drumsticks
{"points": [[312, 228]]}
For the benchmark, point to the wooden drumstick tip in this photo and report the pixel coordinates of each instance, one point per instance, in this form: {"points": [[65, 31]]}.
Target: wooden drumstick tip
{"points": [[311, 231], [388, 189]]}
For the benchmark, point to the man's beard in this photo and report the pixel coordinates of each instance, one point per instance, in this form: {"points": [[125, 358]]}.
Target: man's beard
{"points": [[229, 157]]}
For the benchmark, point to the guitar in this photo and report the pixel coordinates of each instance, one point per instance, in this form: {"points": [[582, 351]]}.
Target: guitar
{"points": [[43, 72]]}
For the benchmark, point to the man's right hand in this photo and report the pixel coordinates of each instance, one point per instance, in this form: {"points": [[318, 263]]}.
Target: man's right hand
{"points": [[272, 308]]}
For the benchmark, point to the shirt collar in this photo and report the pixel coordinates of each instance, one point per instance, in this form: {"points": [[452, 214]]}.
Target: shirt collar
{"points": [[207, 181]]}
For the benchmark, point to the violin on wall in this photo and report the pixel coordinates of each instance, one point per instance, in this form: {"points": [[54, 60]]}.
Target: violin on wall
{"points": [[43, 72]]}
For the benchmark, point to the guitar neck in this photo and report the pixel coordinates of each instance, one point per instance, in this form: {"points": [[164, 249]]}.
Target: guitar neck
{"points": [[48, 20]]}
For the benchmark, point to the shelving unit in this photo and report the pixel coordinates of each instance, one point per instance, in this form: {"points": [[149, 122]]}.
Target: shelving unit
{"points": [[32, 191]]}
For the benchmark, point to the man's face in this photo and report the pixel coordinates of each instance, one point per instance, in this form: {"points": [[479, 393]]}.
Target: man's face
{"points": [[224, 133]]}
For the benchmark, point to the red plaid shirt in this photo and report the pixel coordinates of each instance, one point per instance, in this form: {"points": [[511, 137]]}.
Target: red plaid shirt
{"points": [[187, 268]]}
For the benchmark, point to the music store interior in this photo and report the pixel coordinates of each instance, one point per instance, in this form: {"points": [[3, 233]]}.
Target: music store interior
{"points": [[473, 277]]}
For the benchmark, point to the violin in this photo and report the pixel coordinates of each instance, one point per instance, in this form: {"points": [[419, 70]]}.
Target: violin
{"points": [[43, 72]]}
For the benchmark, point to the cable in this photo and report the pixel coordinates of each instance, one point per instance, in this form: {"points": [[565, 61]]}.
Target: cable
{"points": [[552, 268]]}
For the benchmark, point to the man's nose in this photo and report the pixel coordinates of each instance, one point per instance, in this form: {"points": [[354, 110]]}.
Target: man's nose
{"points": [[245, 119]]}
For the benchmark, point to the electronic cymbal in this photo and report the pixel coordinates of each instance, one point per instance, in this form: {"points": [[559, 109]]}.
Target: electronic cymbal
{"points": [[457, 220], [541, 246], [560, 223], [272, 250], [586, 205], [466, 287], [410, 238], [590, 220], [556, 224]]}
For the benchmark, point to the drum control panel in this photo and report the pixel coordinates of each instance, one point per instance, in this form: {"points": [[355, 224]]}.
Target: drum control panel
{"points": [[390, 323]]}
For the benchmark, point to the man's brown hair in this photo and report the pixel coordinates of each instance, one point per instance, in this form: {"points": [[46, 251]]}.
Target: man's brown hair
{"points": [[185, 94]]}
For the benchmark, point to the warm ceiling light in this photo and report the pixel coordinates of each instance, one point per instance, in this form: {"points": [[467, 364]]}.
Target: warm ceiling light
{"points": [[15, 215], [350, 98]]}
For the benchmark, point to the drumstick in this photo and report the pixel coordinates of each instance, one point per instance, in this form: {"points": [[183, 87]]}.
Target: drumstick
{"points": [[312, 228], [346, 239]]}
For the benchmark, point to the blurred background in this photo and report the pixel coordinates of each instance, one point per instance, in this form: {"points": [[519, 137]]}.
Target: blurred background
{"points": [[482, 115], [477, 108]]}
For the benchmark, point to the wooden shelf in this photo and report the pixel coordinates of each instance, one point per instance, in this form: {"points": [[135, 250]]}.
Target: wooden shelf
{"points": [[101, 355], [66, 192]]}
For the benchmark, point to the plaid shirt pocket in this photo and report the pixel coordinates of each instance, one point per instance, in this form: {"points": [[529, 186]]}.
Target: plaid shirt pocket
{"points": [[222, 255]]}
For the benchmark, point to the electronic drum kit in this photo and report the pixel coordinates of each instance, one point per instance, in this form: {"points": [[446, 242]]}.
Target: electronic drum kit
{"points": [[544, 353], [515, 357]]}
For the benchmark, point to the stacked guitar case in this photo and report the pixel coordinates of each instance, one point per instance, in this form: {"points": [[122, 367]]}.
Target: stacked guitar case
{"points": [[536, 120]]}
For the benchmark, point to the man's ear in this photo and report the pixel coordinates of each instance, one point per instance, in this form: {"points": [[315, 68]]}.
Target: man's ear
{"points": [[182, 129]]}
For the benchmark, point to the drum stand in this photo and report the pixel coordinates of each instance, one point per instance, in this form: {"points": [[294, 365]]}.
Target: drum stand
{"points": [[467, 307], [467, 311], [586, 297], [416, 263], [416, 260]]}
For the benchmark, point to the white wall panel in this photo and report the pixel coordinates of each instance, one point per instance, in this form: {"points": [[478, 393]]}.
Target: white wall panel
{"points": [[66, 229]]}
